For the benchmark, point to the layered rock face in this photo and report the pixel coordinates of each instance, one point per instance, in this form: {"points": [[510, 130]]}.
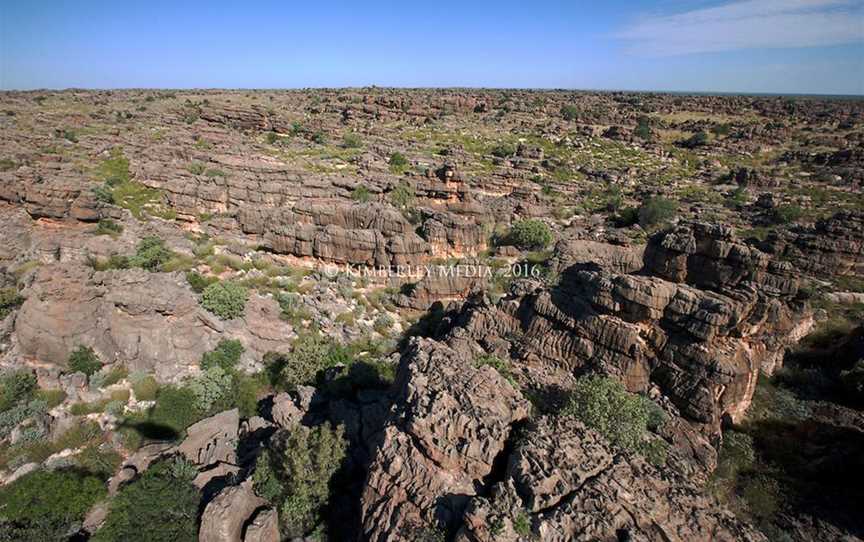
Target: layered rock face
{"points": [[834, 246], [369, 234], [449, 447], [568, 484], [450, 423], [716, 315], [147, 321]]}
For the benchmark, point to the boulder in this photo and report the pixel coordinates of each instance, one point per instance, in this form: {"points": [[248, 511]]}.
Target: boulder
{"points": [[213, 439], [225, 516]]}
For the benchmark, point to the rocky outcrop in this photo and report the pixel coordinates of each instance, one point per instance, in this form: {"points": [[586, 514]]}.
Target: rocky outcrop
{"points": [[567, 483], [264, 527], [834, 246], [615, 258], [212, 440], [148, 321], [342, 233], [720, 313], [450, 423], [60, 195], [226, 515]]}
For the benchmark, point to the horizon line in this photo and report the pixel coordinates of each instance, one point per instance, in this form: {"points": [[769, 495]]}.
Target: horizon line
{"points": [[457, 87]]}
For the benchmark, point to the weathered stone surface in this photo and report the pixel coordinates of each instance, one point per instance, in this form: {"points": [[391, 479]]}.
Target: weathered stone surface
{"points": [[225, 516], [450, 423], [573, 486], [147, 321], [704, 347], [834, 246], [213, 439], [264, 527]]}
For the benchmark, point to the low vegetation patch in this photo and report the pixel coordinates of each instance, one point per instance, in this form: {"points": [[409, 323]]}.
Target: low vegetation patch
{"points": [[603, 404], [158, 507], [46, 505], [226, 299], [530, 234]]}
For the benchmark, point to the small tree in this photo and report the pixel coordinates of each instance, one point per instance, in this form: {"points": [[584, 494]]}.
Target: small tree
{"points": [[226, 355], [570, 112], [530, 234], [604, 405], [295, 474], [227, 300], [643, 128], [84, 360], [403, 195], [656, 211]]}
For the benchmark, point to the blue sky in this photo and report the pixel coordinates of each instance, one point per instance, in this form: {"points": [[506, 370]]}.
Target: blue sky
{"points": [[788, 46]]}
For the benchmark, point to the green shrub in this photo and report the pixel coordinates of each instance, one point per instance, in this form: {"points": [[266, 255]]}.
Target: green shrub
{"points": [[17, 413], [245, 393], [569, 112], [503, 150], [151, 254], [382, 324], [699, 139], [397, 162], [101, 460], [175, 409], [402, 195], [199, 282], [52, 398], [227, 300], [301, 365], [643, 128], [114, 170], [522, 523], [786, 214], [319, 137], [144, 386], [84, 360], [156, 508], [361, 194], [112, 376], [107, 226], [656, 211], [45, 505], [9, 300], [212, 388], [16, 386], [352, 141], [603, 404], [852, 381], [530, 234], [271, 137], [226, 355], [295, 474]]}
